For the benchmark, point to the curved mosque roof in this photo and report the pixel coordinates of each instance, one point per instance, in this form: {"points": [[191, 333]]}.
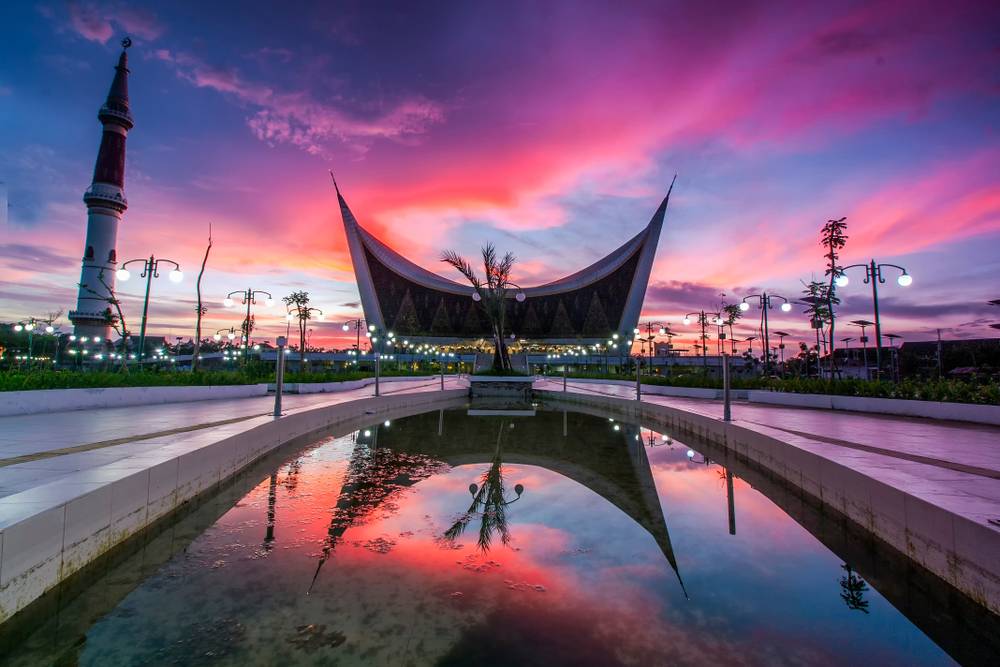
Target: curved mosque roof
{"points": [[588, 305]]}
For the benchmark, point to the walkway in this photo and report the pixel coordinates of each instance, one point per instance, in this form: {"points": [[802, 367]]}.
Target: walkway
{"points": [[40, 448], [951, 464]]}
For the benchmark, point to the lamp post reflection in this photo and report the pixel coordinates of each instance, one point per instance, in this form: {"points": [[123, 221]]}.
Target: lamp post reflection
{"points": [[489, 502], [272, 500], [731, 498]]}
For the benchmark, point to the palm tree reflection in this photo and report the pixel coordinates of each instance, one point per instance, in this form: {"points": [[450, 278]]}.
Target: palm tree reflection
{"points": [[374, 477], [853, 589], [488, 503]]}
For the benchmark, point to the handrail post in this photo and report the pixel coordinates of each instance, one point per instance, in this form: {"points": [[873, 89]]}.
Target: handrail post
{"points": [[378, 369], [726, 407], [638, 382], [279, 374]]}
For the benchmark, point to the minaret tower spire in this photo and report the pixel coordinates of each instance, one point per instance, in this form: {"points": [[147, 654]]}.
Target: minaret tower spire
{"points": [[105, 199]]}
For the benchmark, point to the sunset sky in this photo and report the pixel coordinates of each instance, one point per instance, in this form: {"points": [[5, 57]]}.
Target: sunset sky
{"points": [[549, 128]]}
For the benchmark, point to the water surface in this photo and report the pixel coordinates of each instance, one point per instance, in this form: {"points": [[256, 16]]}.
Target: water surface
{"points": [[443, 538]]}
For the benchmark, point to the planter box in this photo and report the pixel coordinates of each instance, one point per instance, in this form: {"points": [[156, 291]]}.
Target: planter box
{"points": [[513, 387], [344, 385], [58, 400]]}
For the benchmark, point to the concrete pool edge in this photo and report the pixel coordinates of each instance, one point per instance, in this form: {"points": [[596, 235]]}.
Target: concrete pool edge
{"points": [[972, 413], [49, 533], [953, 547]]}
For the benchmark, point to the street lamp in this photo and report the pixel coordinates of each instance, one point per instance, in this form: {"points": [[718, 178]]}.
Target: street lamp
{"points": [[893, 357], [781, 348], [662, 328], [357, 324], [873, 275], [764, 303], [302, 313], [703, 322], [30, 326], [864, 324], [150, 270], [249, 296], [495, 308]]}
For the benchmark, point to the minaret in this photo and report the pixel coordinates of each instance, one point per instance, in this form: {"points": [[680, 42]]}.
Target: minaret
{"points": [[105, 199]]}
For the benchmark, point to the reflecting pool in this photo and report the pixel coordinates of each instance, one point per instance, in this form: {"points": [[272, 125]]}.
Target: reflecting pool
{"points": [[447, 538]]}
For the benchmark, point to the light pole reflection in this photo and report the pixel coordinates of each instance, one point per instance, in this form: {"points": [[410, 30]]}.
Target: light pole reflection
{"points": [[272, 500], [489, 502]]}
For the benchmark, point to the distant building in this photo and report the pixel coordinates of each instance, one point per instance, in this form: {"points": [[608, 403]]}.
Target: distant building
{"points": [[924, 358]]}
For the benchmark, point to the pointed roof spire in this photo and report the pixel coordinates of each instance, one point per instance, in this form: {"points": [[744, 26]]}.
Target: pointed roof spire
{"points": [[333, 178], [116, 108]]}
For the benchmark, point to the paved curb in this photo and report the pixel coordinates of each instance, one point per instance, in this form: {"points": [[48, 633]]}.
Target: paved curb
{"points": [[956, 548], [967, 412], [60, 400], [50, 532]]}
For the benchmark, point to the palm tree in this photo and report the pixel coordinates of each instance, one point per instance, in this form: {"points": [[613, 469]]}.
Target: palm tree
{"points": [[833, 237], [818, 300], [298, 306], [491, 294], [488, 503], [730, 314]]}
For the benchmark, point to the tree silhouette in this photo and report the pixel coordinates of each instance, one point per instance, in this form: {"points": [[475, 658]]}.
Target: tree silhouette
{"points": [[853, 589], [833, 237], [491, 294]]}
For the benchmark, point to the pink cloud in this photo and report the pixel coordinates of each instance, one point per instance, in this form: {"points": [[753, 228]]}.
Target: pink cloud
{"points": [[297, 118], [94, 22], [90, 23]]}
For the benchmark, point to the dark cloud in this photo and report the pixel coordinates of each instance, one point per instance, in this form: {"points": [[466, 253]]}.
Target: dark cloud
{"points": [[689, 296], [25, 257]]}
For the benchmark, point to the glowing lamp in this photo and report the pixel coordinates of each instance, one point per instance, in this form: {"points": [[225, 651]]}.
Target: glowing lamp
{"points": [[123, 274], [176, 276], [786, 307], [744, 306], [905, 280]]}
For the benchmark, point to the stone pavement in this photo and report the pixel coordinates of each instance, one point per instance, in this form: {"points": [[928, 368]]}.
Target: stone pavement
{"points": [[40, 448], [951, 464]]}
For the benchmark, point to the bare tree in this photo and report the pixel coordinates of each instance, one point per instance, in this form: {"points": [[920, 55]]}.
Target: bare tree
{"points": [[116, 322], [491, 294], [201, 309]]}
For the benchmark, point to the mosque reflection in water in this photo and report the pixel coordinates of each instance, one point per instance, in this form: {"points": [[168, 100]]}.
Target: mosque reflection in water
{"points": [[390, 457], [533, 536]]}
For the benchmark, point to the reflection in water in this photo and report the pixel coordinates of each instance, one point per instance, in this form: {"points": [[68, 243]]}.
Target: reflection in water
{"points": [[588, 573], [852, 590], [488, 503], [272, 500], [374, 476]]}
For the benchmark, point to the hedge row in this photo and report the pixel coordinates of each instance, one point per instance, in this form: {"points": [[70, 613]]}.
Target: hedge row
{"points": [[949, 391], [68, 379]]}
